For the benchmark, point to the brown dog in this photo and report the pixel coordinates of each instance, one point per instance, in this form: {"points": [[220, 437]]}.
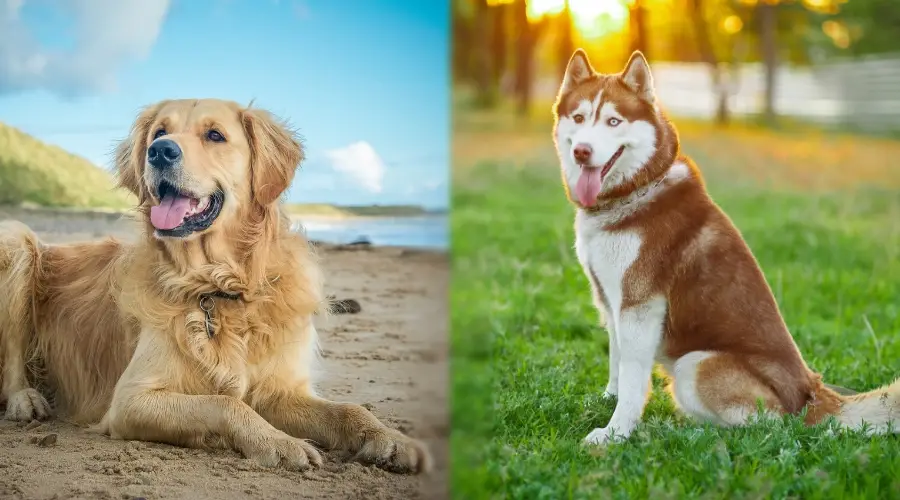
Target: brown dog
{"points": [[201, 333], [671, 274]]}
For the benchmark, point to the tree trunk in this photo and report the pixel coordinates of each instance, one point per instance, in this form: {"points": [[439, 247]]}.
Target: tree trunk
{"points": [[708, 54], [768, 27], [638, 22], [482, 56], [498, 43], [566, 40], [461, 47], [524, 57]]}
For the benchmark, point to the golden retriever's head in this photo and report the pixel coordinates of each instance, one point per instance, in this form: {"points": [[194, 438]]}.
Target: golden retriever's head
{"points": [[199, 164]]}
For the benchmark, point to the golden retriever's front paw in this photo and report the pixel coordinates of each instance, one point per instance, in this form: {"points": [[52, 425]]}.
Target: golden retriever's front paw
{"points": [[279, 448], [27, 405], [394, 451]]}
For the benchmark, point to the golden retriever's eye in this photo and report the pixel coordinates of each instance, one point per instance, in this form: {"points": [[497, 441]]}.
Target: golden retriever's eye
{"points": [[215, 136], [578, 118], [159, 133], [613, 122]]}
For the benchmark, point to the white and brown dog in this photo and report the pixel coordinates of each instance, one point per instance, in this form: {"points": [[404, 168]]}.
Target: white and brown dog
{"points": [[671, 275]]}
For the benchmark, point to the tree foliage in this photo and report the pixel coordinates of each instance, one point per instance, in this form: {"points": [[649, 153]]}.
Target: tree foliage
{"points": [[501, 50]]}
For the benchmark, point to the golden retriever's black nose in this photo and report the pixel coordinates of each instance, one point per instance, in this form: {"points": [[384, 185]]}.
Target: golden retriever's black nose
{"points": [[163, 153]]}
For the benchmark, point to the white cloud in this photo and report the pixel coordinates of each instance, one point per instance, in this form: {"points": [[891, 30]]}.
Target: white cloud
{"points": [[106, 34], [360, 161]]}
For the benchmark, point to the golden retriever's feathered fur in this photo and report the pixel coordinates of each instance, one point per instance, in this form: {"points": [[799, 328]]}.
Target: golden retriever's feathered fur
{"points": [[115, 334]]}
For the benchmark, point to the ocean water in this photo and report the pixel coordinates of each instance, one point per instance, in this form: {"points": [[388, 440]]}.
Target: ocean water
{"points": [[429, 231]]}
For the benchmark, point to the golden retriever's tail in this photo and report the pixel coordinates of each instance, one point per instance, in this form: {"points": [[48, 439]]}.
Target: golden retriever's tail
{"points": [[343, 306], [20, 253]]}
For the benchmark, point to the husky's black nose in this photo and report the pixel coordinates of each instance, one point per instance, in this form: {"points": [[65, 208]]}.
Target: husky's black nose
{"points": [[163, 153], [583, 153]]}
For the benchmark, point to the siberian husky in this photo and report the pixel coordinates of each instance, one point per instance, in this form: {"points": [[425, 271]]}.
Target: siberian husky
{"points": [[671, 275]]}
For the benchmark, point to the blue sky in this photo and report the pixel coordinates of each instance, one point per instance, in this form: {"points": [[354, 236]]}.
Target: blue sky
{"points": [[365, 81]]}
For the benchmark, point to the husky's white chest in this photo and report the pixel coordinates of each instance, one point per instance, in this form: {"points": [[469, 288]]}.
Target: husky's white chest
{"points": [[606, 255]]}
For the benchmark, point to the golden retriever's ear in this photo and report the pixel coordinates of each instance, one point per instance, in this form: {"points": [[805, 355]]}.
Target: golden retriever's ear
{"points": [[130, 153], [275, 154]]}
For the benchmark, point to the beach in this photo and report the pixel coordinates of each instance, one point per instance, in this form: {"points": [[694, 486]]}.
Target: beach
{"points": [[391, 357], [429, 231]]}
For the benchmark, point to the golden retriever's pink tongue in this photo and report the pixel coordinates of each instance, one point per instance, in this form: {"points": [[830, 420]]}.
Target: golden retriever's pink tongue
{"points": [[170, 212], [588, 186]]}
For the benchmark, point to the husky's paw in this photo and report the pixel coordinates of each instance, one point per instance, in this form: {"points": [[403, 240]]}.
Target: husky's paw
{"points": [[612, 389], [27, 405], [600, 437]]}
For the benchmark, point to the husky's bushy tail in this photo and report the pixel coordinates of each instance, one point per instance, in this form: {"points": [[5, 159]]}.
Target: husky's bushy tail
{"points": [[879, 409]]}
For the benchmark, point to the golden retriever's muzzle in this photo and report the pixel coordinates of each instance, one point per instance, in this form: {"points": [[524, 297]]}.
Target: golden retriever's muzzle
{"points": [[164, 154], [179, 212]]}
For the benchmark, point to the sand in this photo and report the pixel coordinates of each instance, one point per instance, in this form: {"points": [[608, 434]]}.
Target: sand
{"points": [[391, 357]]}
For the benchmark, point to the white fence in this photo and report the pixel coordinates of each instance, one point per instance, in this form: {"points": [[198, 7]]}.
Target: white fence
{"points": [[862, 93]]}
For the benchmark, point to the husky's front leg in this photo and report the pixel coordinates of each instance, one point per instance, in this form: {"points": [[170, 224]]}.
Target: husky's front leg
{"points": [[612, 386], [639, 332], [607, 320]]}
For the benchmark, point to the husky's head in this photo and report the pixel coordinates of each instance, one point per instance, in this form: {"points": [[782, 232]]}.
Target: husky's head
{"points": [[608, 129]]}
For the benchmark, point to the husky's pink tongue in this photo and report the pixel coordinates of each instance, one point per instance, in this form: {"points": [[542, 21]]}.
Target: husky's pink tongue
{"points": [[588, 186], [170, 212]]}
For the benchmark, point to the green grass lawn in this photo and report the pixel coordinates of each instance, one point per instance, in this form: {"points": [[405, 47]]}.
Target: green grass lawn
{"points": [[530, 361]]}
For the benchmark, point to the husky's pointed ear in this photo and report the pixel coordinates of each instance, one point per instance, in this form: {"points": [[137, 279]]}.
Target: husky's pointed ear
{"points": [[578, 70], [637, 76]]}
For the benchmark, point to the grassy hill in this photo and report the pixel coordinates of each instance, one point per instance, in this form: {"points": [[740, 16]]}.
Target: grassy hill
{"points": [[35, 173], [326, 210], [32, 172], [317, 209]]}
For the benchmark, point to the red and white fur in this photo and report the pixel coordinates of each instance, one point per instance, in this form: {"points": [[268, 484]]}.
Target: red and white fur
{"points": [[672, 276]]}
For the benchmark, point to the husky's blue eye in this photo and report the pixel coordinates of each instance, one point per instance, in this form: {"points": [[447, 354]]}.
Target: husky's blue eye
{"points": [[613, 122]]}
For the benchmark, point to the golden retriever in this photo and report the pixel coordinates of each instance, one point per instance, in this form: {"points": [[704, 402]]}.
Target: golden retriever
{"points": [[201, 333]]}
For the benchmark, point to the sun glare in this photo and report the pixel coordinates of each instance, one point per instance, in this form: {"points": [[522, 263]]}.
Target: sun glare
{"points": [[586, 14]]}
